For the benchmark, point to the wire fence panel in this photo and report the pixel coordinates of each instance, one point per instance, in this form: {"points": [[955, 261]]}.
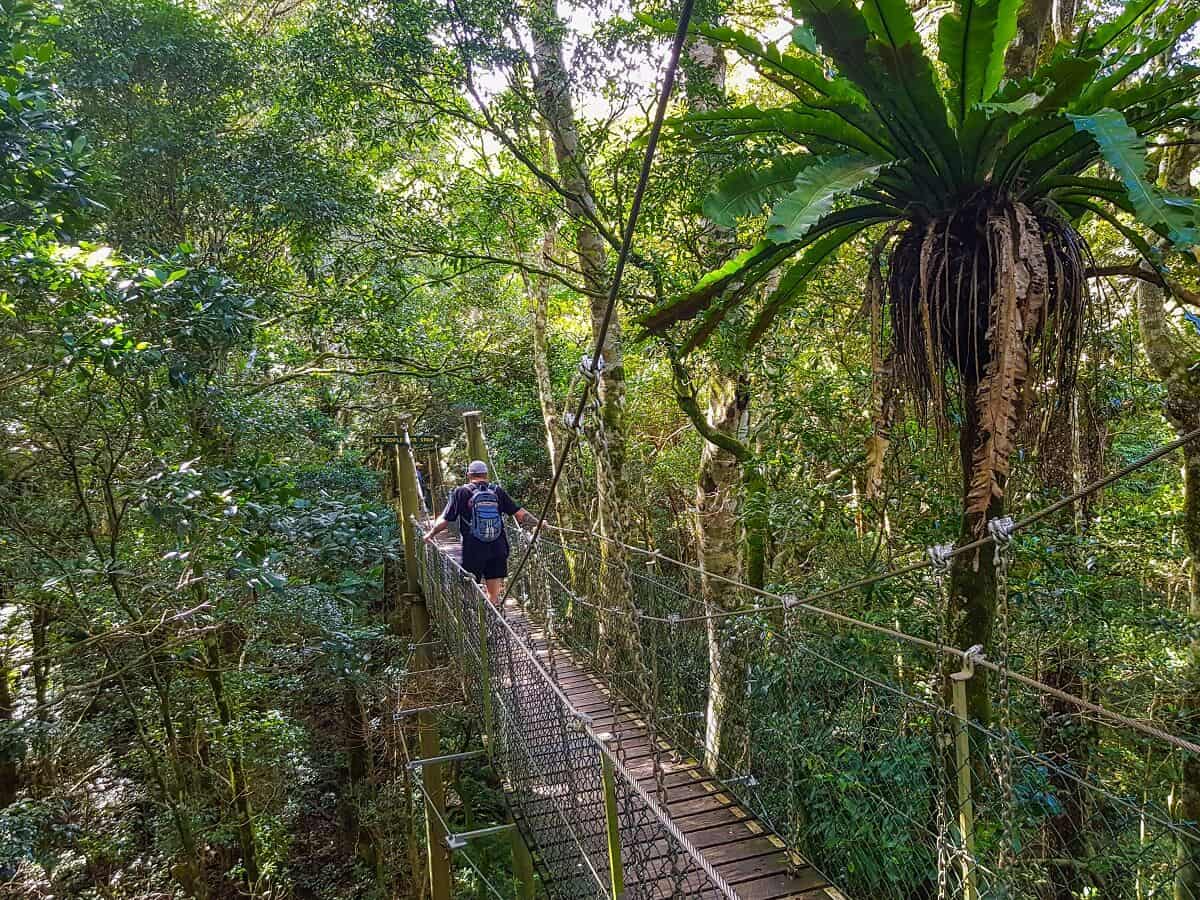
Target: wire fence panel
{"points": [[845, 742], [551, 760]]}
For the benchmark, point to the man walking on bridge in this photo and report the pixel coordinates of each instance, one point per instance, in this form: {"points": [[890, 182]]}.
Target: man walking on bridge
{"points": [[479, 507]]}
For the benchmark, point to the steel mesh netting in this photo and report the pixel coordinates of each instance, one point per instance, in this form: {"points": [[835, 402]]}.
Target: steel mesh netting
{"points": [[550, 759], [840, 740]]}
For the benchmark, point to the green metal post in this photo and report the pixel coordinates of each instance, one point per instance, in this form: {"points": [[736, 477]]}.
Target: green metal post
{"points": [[962, 762], [616, 870], [476, 445], [427, 726], [522, 867], [410, 509]]}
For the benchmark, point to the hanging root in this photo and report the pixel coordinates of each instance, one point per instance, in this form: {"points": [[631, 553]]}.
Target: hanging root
{"points": [[992, 298]]}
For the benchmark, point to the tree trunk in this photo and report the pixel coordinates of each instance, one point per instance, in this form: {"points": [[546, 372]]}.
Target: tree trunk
{"points": [[237, 771], [10, 741], [717, 546], [1171, 356], [1067, 741], [39, 627], [1171, 359], [972, 614], [553, 89], [539, 291]]}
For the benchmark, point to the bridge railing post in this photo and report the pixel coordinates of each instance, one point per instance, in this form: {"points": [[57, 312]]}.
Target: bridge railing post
{"points": [[962, 765], [616, 869], [427, 727], [476, 443]]}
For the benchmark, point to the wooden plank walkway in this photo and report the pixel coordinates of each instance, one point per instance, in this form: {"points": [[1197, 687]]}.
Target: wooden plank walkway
{"points": [[747, 855]]}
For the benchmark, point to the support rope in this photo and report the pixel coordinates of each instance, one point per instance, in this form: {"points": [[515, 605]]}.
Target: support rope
{"points": [[594, 361]]}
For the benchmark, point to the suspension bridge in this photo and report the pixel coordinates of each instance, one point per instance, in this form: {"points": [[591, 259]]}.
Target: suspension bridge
{"points": [[846, 764]]}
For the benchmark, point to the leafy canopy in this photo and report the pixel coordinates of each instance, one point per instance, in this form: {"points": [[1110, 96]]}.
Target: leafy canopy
{"points": [[894, 135]]}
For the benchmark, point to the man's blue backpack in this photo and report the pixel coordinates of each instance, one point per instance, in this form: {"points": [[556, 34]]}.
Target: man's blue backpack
{"points": [[486, 522]]}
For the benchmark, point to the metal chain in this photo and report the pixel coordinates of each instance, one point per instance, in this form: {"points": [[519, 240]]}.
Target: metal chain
{"points": [[1001, 531], [939, 560]]}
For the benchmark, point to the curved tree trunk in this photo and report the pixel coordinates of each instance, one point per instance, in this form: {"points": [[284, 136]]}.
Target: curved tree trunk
{"points": [[717, 543]]}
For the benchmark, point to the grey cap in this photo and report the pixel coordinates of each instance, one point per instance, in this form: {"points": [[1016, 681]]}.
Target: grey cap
{"points": [[477, 467]]}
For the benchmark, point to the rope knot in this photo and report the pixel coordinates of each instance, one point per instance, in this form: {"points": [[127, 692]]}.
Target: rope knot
{"points": [[970, 657], [939, 558], [1001, 531], [590, 368], [573, 423]]}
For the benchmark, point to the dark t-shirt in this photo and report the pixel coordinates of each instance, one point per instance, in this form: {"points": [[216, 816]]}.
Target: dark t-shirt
{"points": [[458, 508]]}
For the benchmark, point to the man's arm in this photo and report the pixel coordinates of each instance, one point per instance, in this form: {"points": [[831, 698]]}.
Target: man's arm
{"points": [[443, 521], [438, 527]]}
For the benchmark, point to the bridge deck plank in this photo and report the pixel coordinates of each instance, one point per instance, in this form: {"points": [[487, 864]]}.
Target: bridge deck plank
{"points": [[728, 835]]}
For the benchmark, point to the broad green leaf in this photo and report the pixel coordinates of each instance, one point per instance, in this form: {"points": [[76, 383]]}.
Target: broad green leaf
{"points": [[891, 21], [839, 125], [1098, 94], [886, 61], [971, 43], [816, 187], [762, 255], [797, 276], [803, 38], [746, 191], [803, 69], [1124, 150], [1019, 106], [1120, 27]]}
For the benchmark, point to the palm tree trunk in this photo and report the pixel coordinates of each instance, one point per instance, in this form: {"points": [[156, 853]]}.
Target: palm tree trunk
{"points": [[972, 614]]}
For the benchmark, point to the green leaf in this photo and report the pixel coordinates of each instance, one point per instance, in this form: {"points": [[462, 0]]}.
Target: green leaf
{"points": [[807, 75], [762, 255], [803, 38], [1120, 27], [841, 126], [817, 186], [879, 50], [746, 191], [797, 276], [1124, 150], [971, 42]]}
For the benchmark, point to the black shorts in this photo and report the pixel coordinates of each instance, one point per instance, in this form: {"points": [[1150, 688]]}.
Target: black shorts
{"points": [[492, 567]]}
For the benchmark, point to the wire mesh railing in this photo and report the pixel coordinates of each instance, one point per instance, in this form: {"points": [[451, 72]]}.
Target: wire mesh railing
{"points": [[592, 828], [850, 746]]}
